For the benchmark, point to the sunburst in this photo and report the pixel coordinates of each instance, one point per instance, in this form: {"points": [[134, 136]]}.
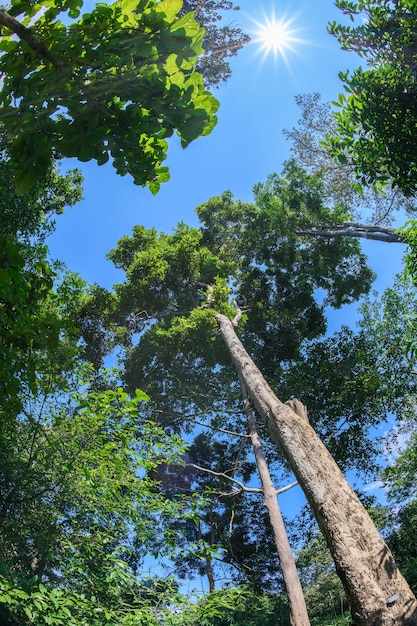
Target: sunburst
{"points": [[277, 35]]}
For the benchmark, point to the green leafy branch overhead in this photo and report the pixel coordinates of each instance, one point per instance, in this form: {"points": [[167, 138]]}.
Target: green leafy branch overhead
{"points": [[113, 85]]}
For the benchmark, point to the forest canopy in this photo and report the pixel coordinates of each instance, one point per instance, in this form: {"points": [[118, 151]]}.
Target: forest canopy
{"points": [[150, 431]]}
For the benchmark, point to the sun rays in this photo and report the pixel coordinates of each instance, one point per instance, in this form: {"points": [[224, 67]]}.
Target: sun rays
{"points": [[277, 35]]}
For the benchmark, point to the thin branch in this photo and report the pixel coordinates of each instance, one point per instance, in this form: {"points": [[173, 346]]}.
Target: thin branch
{"points": [[287, 487], [194, 421], [242, 487]]}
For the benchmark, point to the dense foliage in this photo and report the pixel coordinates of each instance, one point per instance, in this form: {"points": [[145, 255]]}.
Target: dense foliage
{"points": [[95, 479], [376, 124], [116, 83]]}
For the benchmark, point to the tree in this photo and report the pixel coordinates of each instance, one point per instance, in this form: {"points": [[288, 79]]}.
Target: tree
{"points": [[371, 203], [221, 519], [362, 559], [178, 356], [323, 214], [376, 124], [74, 502], [220, 41], [116, 83]]}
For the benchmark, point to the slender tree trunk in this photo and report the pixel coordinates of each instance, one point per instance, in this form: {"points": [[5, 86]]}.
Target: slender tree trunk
{"points": [[296, 601], [378, 593], [360, 231]]}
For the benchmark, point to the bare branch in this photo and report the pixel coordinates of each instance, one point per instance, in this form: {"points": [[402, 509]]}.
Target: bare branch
{"points": [[242, 487], [287, 487]]}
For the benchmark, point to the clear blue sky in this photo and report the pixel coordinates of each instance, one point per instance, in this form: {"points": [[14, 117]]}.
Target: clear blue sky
{"points": [[247, 144]]}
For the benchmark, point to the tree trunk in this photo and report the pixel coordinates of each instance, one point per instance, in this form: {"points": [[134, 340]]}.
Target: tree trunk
{"points": [[378, 593], [296, 601], [353, 229]]}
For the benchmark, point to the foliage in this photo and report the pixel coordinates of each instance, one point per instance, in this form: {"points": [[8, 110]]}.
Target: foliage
{"points": [[239, 606], [340, 620], [389, 327], [29, 216], [32, 602], [322, 588], [116, 83], [340, 187], [409, 233], [76, 508], [253, 247], [376, 124], [35, 335], [399, 481], [220, 42], [402, 541]]}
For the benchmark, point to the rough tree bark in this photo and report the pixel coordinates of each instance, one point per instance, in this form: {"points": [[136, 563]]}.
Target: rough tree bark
{"points": [[296, 601], [360, 231], [378, 593]]}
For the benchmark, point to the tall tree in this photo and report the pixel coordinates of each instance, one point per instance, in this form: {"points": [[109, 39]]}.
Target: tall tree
{"points": [[114, 84], [276, 276], [341, 188]]}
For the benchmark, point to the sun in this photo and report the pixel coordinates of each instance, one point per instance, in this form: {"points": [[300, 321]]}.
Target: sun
{"points": [[276, 35]]}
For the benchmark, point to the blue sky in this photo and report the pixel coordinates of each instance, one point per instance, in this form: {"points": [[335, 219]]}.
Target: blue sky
{"points": [[247, 144]]}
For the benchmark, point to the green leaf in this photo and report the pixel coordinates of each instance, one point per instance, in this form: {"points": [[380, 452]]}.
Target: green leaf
{"points": [[171, 8]]}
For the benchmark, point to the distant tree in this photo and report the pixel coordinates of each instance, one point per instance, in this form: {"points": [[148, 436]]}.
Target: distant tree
{"points": [[220, 42], [377, 121], [114, 84], [370, 203]]}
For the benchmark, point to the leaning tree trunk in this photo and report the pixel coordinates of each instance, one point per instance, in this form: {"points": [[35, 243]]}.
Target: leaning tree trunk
{"points": [[378, 593], [296, 602]]}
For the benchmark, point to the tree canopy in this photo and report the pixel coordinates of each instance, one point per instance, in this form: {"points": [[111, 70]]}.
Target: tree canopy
{"points": [[116, 83], [376, 124]]}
